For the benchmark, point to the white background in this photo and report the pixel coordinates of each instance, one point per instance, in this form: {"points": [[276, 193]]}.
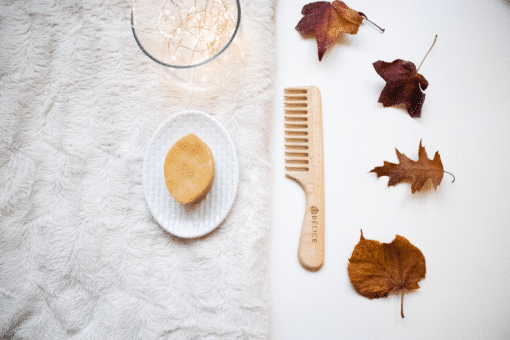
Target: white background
{"points": [[463, 228]]}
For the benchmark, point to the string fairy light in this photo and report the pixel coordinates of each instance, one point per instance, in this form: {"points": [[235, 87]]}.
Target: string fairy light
{"points": [[193, 31]]}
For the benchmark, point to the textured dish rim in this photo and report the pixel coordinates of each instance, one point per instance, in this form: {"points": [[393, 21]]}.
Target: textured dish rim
{"points": [[230, 204], [238, 23]]}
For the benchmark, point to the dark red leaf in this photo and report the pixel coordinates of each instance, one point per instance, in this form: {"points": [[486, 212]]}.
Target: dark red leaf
{"points": [[327, 21], [404, 85]]}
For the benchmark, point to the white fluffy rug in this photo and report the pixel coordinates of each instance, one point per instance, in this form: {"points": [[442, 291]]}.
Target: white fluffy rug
{"points": [[80, 255]]}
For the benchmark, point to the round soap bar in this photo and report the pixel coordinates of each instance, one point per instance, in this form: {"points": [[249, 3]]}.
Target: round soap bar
{"points": [[189, 169]]}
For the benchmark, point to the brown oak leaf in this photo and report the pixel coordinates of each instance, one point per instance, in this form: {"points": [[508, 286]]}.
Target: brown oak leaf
{"points": [[417, 172], [377, 269], [404, 85], [327, 21]]}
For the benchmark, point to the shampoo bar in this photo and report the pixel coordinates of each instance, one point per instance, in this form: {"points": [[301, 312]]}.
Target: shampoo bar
{"points": [[189, 169]]}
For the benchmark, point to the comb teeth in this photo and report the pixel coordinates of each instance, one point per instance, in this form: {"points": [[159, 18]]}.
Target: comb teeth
{"points": [[296, 130]]}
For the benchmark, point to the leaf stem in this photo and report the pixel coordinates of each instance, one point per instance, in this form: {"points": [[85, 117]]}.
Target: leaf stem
{"points": [[427, 53], [402, 305], [449, 173], [365, 17]]}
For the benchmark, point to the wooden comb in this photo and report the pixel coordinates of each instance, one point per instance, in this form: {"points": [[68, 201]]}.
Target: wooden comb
{"points": [[304, 163]]}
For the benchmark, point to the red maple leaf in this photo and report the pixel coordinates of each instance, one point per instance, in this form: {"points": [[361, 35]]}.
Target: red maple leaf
{"points": [[327, 21], [404, 85]]}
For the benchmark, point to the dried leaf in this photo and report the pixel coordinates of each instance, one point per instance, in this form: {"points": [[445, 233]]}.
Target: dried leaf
{"points": [[327, 21], [377, 269], [417, 172], [404, 85]]}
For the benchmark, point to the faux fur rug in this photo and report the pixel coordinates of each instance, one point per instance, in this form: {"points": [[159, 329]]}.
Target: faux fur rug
{"points": [[80, 255]]}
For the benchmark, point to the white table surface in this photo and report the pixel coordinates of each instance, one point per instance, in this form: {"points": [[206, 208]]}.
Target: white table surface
{"points": [[463, 228]]}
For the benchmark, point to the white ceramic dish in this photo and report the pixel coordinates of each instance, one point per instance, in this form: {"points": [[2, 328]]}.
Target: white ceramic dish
{"points": [[200, 220]]}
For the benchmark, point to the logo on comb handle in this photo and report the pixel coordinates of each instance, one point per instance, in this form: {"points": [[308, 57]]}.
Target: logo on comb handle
{"points": [[314, 210]]}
